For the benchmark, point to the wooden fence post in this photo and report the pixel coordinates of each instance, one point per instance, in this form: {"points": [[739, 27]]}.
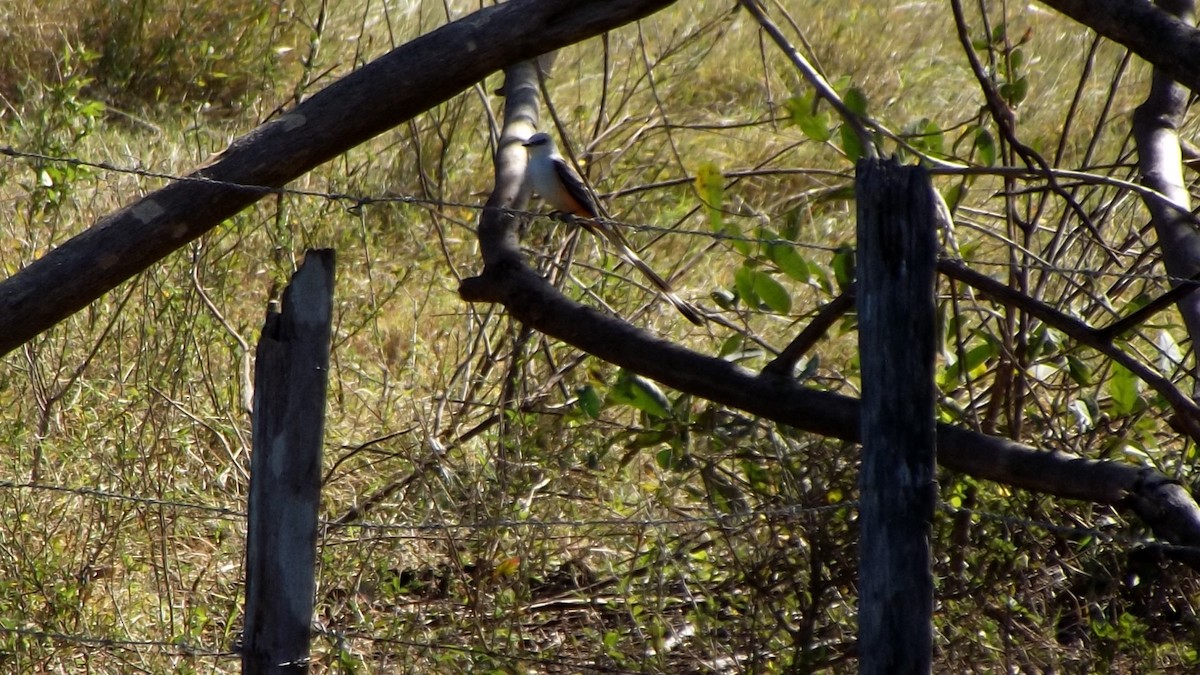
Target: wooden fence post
{"points": [[290, 377], [897, 249]]}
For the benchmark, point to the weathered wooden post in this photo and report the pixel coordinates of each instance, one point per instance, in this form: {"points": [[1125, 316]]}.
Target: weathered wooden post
{"points": [[897, 250], [290, 377]]}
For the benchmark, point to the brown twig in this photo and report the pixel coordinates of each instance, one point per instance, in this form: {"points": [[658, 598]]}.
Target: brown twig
{"points": [[1187, 409], [786, 362]]}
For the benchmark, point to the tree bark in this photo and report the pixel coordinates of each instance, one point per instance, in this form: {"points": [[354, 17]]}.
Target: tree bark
{"points": [[1156, 131], [411, 79]]}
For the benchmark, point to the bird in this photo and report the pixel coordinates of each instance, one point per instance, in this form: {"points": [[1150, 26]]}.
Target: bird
{"points": [[553, 179]]}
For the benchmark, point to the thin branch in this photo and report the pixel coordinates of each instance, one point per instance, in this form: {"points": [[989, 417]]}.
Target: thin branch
{"points": [[1006, 122], [1143, 314], [786, 362], [1187, 409], [818, 82]]}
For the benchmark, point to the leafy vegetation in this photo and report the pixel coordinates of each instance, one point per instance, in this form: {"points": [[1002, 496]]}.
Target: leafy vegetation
{"points": [[496, 501]]}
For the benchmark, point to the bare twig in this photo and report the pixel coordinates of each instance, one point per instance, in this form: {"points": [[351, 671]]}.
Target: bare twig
{"points": [[1187, 409], [786, 362], [818, 82]]}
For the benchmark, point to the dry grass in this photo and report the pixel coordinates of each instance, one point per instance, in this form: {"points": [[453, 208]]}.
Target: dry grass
{"points": [[442, 413]]}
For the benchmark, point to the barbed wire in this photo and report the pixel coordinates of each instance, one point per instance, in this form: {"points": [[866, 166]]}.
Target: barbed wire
{"points": [[358, 201], [720, 519], [338, 638], [179, 647], [579, 665], [219, 511], [185, 648]]}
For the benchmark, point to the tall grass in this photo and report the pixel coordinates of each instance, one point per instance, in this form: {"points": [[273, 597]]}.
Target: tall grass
{"points": [[516, 508]]}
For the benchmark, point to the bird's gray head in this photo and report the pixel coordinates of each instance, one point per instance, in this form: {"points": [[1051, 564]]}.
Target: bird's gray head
{"points": [[539, 140]]}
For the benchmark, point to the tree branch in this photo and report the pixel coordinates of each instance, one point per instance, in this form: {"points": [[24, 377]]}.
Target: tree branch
{"points": [[820, 324], [1186, 410], [530, 299]]}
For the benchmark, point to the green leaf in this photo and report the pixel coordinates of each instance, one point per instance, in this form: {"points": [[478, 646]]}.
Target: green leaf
{"points": [[851, 145], [804, 113], [843, 266], [817, 127], [772, 292], [1124, 389], [1080, 372], [732, 344], [743, 281], [1016, 59], [954, 195], [856, 100], [723, 298], [1016, 91], [588, 401], [635, 390], [985, 145], [796, 108], [972, 364], [92, 109], [710, 184], [925, 135], [790, 262]]}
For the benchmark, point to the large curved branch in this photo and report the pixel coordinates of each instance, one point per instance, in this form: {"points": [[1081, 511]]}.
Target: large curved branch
{"points": [[412, 78]]}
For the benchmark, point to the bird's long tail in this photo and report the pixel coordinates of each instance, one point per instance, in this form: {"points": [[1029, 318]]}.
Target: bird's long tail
{"points": [[625, 250]]}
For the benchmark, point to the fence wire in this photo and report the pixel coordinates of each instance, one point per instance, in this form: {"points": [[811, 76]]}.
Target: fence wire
{"points": [[358, 201], [719, 519]]}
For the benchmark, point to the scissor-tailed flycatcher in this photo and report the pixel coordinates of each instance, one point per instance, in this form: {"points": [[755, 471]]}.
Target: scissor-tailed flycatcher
{"points": [[557, 183]]}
